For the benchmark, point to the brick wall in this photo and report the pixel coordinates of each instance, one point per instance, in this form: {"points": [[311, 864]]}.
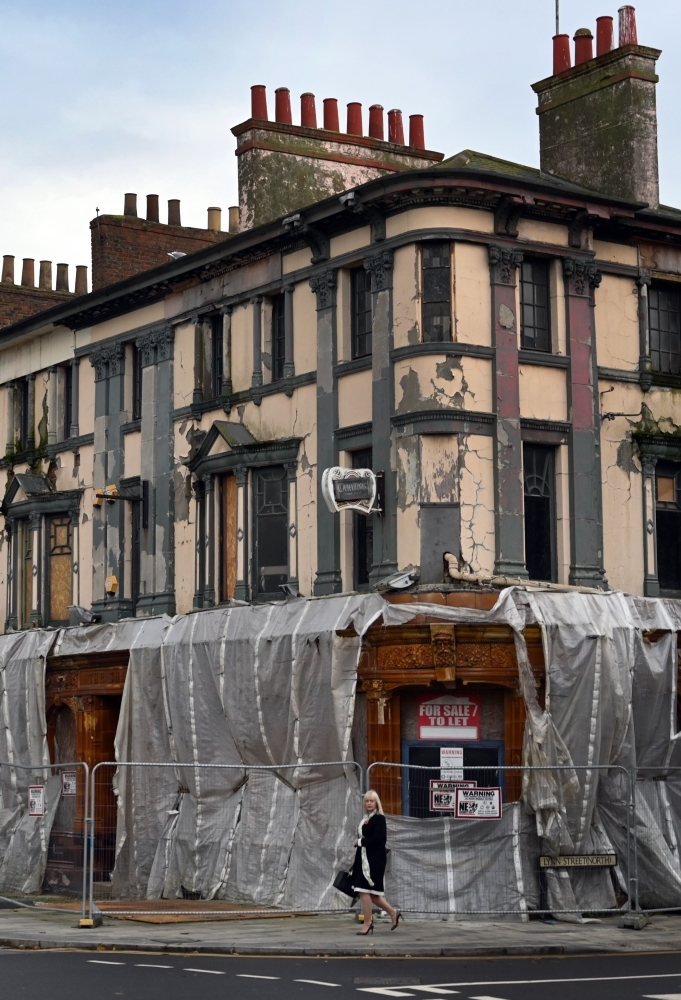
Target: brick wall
{"points": [[19, 302], [123, 246]]}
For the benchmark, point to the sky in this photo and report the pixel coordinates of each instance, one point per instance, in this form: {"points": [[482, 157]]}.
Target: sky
{"points": [[101, 98]]}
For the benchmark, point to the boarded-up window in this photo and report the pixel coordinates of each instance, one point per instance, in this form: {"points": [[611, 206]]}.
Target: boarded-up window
{"points": [[60, 567]]}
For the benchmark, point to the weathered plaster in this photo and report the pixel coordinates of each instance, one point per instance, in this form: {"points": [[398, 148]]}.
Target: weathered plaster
{"points": [[616, 253], [132, 444], [128, 321], [558, 319], [543, 392], [40, 352], [355, 239], [431, 382], [476, 494], [242, 346], [438, 217], [295, 261], [184, 365], [304, 329], [406, 297], [343, 315], [617, 329], [471, 295], [542, 232], [354, 399]]}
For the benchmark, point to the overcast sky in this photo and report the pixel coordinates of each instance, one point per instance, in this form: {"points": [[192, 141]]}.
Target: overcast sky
{"points": [[100, 98]]}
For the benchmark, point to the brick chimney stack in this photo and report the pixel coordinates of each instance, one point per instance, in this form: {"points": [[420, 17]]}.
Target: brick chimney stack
{"points": [[598, 118]]}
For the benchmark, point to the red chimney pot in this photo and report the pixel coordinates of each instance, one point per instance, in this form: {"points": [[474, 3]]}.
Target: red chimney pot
{"points": [[561, 54], [259, 102], [416, 133], [331, 120], [628, 33], [395, 127], [282, 106], [308, 111], [376, 121], [355, 119], [605, 39], [584, 47]]}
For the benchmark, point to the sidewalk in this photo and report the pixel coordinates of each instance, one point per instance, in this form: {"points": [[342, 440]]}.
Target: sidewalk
{"points": [[334, 935]]}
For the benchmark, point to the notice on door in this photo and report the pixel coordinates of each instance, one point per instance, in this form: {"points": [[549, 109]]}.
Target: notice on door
{"points": [[68, 782], [451, 763], [449, 717], [478, 803], [36, 800]]}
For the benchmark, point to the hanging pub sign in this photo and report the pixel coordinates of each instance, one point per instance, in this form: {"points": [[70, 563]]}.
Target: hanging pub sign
{"points": [[478, 803], [443, 794], [36, 800], [349, 489], [449, 717]]}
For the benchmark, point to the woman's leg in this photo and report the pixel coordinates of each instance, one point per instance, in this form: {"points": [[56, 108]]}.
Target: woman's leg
{"points": [[385, 905], [367, 907]]}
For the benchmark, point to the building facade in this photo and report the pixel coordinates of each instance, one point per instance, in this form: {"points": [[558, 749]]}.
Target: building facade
{"points": [[500, 344]]}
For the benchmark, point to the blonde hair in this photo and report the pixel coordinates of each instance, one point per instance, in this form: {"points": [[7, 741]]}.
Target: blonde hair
{"points": [[374, 795]]}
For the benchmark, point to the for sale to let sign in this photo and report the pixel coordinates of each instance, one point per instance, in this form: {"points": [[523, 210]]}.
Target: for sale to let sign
{"points": [[449, 717]]}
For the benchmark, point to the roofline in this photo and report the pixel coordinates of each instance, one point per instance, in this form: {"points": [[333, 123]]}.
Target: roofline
{"points": [[150, 286]]}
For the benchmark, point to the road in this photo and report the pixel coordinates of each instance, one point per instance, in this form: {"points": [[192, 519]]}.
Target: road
{"points": [[100, 975]]}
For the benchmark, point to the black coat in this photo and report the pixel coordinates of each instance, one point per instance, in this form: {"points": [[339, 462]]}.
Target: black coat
{"points": [[374, 834]]}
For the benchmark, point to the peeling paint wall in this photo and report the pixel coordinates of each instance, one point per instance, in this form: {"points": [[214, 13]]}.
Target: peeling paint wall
{"points": [[128, 321], [542, 232], [406, 296], [617, 331], [304, 328], [184, 364], [52, 348], [354, 399], [432, 382], [132, 444], [476, 495], [617, 253], [543, 393], [242, 346], [472, 321]]}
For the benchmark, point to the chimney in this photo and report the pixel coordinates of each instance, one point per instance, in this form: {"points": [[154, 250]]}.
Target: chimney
{"points": [[561, 53], [28, 272], [416, 133], [8, 269], [395, 127], [282, 106], [598, 120], [308, 111], [331, 119], [584, 46], [62, 278], [130, 205], [214, 219], [354, 119], [604, 36], [45, 275], [233, 218], [174, 212], [259, 102], [284, 167], [152, 208], [81, 280]]}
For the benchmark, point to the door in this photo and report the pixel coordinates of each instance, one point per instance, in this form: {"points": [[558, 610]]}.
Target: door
{"points": [[476, 756]]}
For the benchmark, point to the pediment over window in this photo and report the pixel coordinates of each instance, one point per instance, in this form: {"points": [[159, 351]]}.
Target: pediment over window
{"points": [[29, 493], [228, 445]]}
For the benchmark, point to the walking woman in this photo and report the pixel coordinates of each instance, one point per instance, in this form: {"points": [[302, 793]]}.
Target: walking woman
{"points": [[369, 867]]}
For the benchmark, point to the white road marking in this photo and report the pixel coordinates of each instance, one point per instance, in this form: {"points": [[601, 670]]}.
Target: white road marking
{"points": [[663, 996], [211, 972], [143, 965], [246, 975], [100, 961], [485, 998], [315, 982], [384, 991], [583, 979], [432, 989]]}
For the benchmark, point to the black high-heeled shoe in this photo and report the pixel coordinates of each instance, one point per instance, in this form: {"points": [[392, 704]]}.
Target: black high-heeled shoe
{"points": [[369, 930], [397, 920]]}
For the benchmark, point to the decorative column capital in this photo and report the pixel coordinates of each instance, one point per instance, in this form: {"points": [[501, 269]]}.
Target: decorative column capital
{"points": [[644, 279], [380, 267], [108, 361], [156, 345], [208, 482], [504, 261], [35, 519], [582, 275], [648, 463], [324, 285], [98, 362], [241, 473]]}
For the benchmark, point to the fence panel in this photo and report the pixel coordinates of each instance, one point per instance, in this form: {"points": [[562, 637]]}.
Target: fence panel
{"points": [[657, 826], [44, 812], [483, 854], [215, 839]]}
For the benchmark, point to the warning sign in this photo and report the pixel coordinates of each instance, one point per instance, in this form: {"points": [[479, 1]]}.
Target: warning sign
{"points": [[443, 794], [68, 782], [451, 763], [449, 717], [478, 803], [36, 800]]}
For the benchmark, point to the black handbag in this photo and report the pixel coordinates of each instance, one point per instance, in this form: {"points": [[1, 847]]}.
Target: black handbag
{"points": [[343, 882]]}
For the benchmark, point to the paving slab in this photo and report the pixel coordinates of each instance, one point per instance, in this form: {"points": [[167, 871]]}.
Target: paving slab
{"points": [[335, 935]]}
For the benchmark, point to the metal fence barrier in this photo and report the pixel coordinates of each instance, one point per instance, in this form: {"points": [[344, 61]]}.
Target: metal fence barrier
{"points": [[38, 799], [656, 831], [220, 839], [479, 851]]}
